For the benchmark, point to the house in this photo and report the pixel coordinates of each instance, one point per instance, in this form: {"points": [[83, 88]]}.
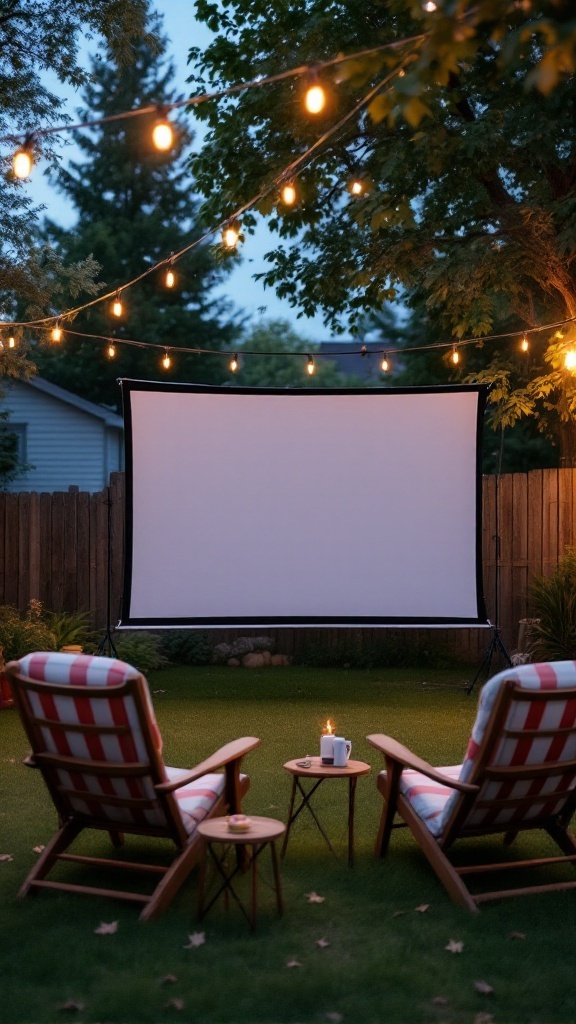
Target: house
{"points": [[65, 440]]}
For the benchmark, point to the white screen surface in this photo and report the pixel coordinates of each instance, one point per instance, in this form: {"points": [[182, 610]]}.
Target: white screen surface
{"points": [[261, 507]]}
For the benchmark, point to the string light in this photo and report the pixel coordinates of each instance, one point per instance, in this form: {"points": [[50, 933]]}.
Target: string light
{"points": [[117, 307], [11, 341], [310, 366], [288, 194], [56, 335], [234, 363], [524, 344], [384, 365], [23, 159], [170, 279], [570, 359], [111, 351], [231, 235], [162, 132], [455, 357], [356, 186], [430, 6], [315, 96], [166, 362]]}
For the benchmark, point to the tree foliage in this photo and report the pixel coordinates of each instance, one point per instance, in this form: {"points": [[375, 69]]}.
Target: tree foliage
{"points": [[467, 148], [136, 205], [37, 36]]}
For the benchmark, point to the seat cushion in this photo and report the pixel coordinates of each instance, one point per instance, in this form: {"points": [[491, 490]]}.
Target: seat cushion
{"points": [[196, 800], [428, 798]]}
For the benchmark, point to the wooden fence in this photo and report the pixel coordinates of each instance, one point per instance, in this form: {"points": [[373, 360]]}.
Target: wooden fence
{"points": [[55, 547]]}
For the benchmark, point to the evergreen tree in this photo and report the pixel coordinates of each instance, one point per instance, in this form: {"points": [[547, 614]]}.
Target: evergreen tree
{"points": [[134, 208]]}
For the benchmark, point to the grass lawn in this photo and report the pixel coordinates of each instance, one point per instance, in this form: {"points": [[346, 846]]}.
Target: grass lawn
{"points": [[386, 962]]}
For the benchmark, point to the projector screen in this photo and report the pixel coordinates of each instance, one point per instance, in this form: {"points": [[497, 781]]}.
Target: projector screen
{"points": [[268, 507]]}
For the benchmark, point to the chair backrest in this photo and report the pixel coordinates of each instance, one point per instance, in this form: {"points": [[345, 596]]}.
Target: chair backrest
{"points": [[93, 734], [522, 752]]}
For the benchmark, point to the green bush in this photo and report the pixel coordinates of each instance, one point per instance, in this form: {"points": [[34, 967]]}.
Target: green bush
{"points": [[22, 635], [140, 649], [553, 599], [72, 628], [186, 646]]}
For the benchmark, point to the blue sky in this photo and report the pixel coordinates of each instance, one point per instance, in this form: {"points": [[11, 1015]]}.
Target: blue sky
{"points": [[249, 295]]}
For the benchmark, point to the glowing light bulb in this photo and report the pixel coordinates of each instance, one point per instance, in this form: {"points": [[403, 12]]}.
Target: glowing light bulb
{"points": [[430, 6], [384, 365], [355, 187], [170, 279], [117, 307], [570, 359], [524, 344], [22, 161], [315, 99], [230, 236], [166, 362], [310, 366], [234, 363], [163, 134], [455, 357], [11, 342], [111, 351], [288, 194], [56, 335]]}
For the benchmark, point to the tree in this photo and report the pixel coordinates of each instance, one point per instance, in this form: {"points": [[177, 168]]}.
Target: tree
{"points": [[134, 207], [468, 155], [273, 363], [36, 35]]}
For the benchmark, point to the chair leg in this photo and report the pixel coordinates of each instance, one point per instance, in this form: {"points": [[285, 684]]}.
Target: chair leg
{"points": [[509, 837], [117, 839], [565, 839], [47, 859], [438, 860], [393, 773]]}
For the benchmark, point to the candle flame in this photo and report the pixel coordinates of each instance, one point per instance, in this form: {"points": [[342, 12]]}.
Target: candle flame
{"points": [[328, 728]]}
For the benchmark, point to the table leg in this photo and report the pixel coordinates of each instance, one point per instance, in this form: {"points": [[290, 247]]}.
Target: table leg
{"points": [[202, 879], [290, 818], [351, 796], [255, 852], [304, 803], [277, 883]]}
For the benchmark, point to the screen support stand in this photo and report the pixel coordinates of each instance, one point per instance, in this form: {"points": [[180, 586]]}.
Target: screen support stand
{"points": [[106, 645], [495, 647]]}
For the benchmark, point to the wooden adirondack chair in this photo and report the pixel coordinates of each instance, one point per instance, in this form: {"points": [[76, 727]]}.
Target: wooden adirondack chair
{"points": [[519, 773], [94, 738]]}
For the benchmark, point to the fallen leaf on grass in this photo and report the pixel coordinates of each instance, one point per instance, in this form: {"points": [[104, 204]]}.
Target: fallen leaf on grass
{"points": [[175, 1004], [517, 935], [422, 908], [483, 987], [313, 897], [335, 1017], [322, 943], [38, 849], [106, 928], [293, 963], [6, 856], [71, 1004], [158, 691], [440, 1001], [483, 1018], [398, 913], [168, 979], [195, 940], [454, 946]]}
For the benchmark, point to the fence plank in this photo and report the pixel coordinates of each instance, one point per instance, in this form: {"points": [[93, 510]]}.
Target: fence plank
{"points": [[24, 594], [11, 550]]}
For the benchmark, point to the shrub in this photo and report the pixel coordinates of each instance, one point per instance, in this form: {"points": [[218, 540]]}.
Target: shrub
{"points": [[553, 599], [72, 628], [186, 646], [140, 649], [20, 636]]}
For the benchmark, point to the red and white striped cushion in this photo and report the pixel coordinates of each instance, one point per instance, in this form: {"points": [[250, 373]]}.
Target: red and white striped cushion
{"points": [[196, 800], [435, 803]]}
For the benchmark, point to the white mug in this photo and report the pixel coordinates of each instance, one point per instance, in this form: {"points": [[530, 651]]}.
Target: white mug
{"points": [[342, 750]]}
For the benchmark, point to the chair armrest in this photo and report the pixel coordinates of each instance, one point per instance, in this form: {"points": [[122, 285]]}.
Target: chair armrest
{"points": [[229, 752], [395, 751]]}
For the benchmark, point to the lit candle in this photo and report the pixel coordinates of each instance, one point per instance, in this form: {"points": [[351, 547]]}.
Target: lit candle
{"points": [[327, 744]]}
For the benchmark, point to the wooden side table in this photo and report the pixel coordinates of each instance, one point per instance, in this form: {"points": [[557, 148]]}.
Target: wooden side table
{"points": [[215, 832], [322, 772]]}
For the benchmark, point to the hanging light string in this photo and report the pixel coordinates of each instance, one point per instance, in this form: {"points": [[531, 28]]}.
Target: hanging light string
{"points": [[288, 172], [255, 83], [384, 352]]}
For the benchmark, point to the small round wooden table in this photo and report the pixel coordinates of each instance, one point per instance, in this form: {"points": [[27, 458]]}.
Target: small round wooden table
{"points": [[322, 772], [215, 832]]}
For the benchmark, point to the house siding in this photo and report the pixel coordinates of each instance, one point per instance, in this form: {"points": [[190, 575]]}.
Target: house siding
{"points": [[65, 446]]}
